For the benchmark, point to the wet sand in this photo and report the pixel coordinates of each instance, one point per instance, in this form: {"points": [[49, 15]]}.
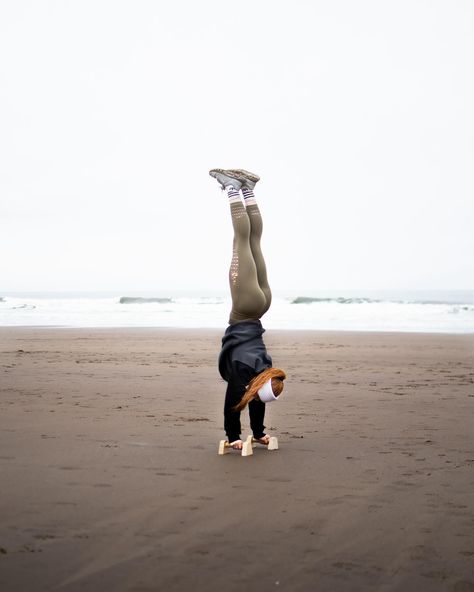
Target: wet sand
{"points": [[110, 478]]}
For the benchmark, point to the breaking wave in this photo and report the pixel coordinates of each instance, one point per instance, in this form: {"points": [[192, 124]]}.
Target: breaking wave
{"points": [[343, 300]]}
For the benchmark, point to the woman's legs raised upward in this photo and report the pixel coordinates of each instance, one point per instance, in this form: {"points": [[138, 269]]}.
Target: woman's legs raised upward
{"points": [[249, 288], [249, 301]]}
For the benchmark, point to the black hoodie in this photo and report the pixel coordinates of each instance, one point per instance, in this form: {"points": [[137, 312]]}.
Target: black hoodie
{"points": [[242, 342], [243, 356]]}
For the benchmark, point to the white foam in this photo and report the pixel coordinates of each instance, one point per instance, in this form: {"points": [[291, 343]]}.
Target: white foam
{"points": [[213, 312]]}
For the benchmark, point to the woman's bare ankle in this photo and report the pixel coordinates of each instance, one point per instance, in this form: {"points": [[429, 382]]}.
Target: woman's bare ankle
{"points": [[236, 444]]}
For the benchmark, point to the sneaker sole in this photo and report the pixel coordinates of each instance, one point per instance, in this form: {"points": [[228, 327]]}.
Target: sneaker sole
{"points": [[217, 171], [242, 175], [227, 172]]}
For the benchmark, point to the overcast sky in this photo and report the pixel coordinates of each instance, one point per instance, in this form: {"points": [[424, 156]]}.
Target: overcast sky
{"points": [[357, 115]]}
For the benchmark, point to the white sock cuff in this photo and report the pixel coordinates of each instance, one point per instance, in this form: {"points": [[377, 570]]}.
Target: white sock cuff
{"points": [[232, 194], [248, 193]]}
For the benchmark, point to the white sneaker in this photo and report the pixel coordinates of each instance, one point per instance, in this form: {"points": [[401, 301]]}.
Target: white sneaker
{"points": [[226, 178]]}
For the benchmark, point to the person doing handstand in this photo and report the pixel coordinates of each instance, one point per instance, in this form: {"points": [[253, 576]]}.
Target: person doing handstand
{"points": [[244, 362]]}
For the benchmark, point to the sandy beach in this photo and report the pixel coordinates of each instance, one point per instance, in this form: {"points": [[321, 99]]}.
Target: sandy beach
{"points": [[110, 478]]}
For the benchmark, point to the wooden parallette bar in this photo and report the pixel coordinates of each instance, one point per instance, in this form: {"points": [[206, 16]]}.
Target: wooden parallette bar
{"points": [[272, 443], [247, 449]]}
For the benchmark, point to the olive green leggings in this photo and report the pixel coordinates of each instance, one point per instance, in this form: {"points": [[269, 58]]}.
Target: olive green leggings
{"points": [[251, 294]]}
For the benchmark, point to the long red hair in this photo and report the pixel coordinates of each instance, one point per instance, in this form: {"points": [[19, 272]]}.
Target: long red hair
{"points": [[277, 376]]}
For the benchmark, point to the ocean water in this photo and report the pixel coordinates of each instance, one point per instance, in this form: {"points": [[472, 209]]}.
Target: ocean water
{"points": [[435, 311]]}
